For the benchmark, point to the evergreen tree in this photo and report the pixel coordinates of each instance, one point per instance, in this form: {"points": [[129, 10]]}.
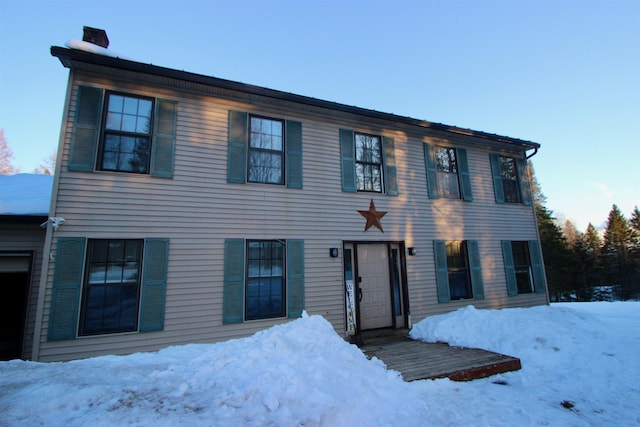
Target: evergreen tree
{"points": [[619, 243], [587, 263], [571, 233]]}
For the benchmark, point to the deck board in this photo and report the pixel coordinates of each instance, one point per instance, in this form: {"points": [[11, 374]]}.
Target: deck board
{"points": [[417, 360]]}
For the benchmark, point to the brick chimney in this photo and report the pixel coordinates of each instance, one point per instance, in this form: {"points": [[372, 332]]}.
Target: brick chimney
{"points": [[95, 36]]}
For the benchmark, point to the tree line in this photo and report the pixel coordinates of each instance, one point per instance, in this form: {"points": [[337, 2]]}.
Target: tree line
{"points": [[590, 265]]}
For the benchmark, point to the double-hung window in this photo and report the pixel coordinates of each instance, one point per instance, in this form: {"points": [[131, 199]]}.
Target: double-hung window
{"points": [[123, 133], [447, 172], [523, 267], [106, 286], [368, 163], [447, 167], [111, 291], [509, 176], [266, 151], [263, 279], [510, 179], [458, 270], [126, 141], [265, 293]]}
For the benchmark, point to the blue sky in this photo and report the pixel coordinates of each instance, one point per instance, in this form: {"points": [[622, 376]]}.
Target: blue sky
{"points": [[563, 73]]}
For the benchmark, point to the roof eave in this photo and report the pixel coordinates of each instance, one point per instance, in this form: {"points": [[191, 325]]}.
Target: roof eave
{"points": [[67, 56]]}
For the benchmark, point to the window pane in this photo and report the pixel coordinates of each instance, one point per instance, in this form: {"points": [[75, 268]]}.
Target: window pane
{"points": [[127, 134], [125, 153], [510, 184], [458, 270], [265, 280], [368, 163], [266, 151], [111, 287], [522, 265]]}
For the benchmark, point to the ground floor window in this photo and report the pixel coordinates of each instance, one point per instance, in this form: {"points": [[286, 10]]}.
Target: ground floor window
{"points": [[522, 267], [458, 270], [111, 291], [265, 292]]}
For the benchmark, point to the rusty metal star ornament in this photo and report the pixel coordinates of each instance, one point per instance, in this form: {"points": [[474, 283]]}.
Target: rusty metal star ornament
{"points": [[373, 217]]}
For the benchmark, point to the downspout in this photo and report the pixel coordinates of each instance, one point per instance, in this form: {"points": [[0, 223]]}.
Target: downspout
{"points": [[46, 252], [535, 222]]}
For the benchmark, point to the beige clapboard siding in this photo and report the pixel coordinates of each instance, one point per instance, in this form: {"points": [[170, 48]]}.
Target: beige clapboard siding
{"points": [[23, 238], [198, 209]]}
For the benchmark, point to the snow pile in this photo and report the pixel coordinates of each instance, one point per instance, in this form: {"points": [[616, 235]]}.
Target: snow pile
{"points": [[580, 368], [93, 48], [25, 194]]}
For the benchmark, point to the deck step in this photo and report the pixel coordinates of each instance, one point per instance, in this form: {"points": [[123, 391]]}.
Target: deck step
{"points": [[417, 360]]}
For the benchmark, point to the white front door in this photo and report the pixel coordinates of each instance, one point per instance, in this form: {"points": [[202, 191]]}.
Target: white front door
{"points": [[374, 286]]}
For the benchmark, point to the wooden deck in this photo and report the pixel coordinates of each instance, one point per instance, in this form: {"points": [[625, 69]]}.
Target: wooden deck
{"points": [[417, 360]]}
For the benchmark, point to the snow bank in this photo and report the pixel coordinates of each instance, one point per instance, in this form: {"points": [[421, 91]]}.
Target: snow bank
{"points": [[25, 194], [580, 368]]}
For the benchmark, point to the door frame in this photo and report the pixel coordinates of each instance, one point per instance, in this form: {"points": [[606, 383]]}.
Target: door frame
{"points": [[30, 255], [404, 291]]}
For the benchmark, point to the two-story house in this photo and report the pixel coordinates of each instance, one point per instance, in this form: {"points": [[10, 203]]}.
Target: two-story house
{"points": [[199, 209]]}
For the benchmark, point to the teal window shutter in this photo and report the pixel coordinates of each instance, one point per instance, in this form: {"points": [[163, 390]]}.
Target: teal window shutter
{"points": [[86, 129], [390, 168], [237, 147], [537, 266], [523, 179], [293, 161], [442, 271], [164, 139], [509, 269], [475, 266], [348, 160], [465, 176], [67, 284], [432, 172], [497, 177], [234, 278], [154, 284], [295, 278]]}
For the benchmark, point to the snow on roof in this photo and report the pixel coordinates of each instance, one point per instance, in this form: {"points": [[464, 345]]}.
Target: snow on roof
{"points": [[25, 194], [93, 48]]}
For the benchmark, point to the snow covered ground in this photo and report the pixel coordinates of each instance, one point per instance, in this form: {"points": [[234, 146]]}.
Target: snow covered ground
{"points": [[581, 367]]}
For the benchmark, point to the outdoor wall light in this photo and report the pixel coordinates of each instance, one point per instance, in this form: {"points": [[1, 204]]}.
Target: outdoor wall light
{"points": [[333, 252], [412, 251]]}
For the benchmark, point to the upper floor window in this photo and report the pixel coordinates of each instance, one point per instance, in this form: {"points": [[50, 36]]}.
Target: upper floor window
{"points": [[266, 151], [126, 145], [510, 179], [447, 172], [509, 175], [123, 133], [368, 163], [447, 167]]}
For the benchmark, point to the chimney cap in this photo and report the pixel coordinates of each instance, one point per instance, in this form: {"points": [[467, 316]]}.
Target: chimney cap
{"points": [[95, 36]]}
